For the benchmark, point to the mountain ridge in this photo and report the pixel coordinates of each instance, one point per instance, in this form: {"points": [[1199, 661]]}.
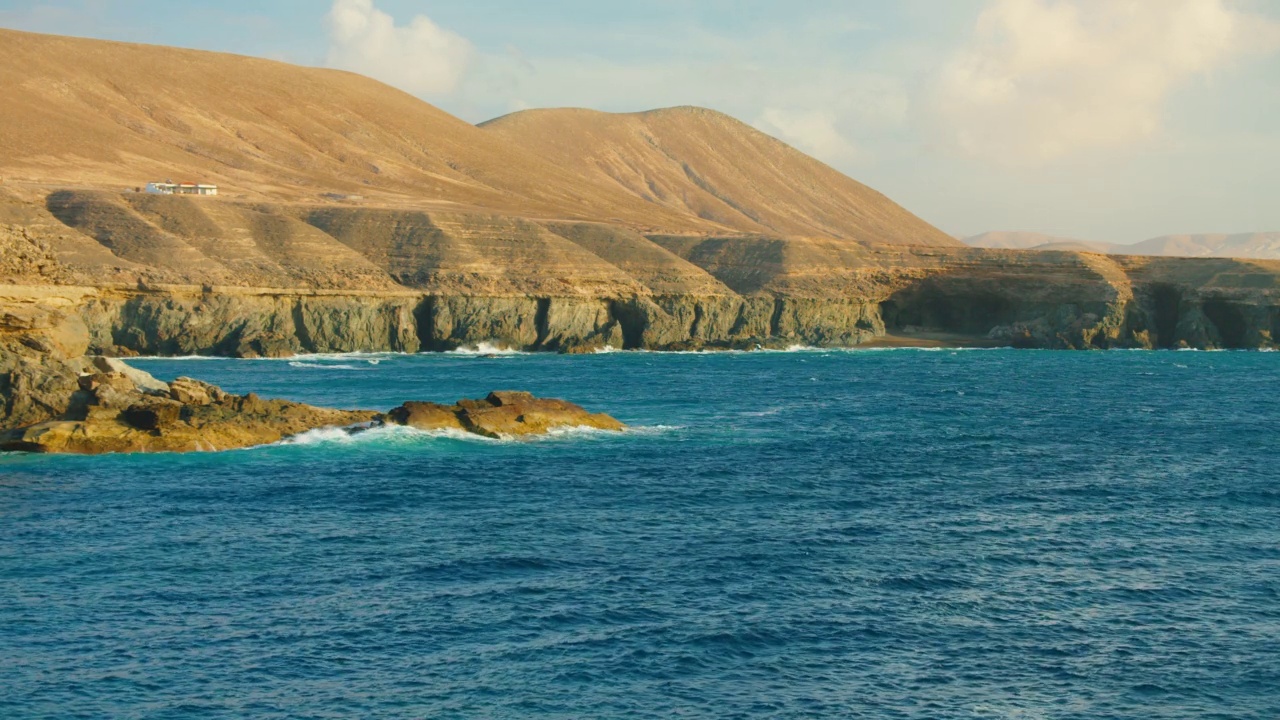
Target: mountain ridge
{"points": [[696, 160], [1248, 245], [95, 114]]}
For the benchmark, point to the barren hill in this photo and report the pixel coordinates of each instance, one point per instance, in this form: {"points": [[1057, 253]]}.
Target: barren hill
{"points": [[1254, 246], [1015, 240], [709, 165], [91, 114], [556, 230], [1262, 245], [96, 114]]}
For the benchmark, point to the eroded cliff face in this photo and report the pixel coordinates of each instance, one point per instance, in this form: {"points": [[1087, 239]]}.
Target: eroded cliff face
{"points": [[1109, 302], [177, 321], [1000, 310], [42, 344], [238, 323], [180, 276]]}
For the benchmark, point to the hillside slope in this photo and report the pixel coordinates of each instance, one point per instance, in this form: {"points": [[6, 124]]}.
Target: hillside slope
{"points": [[91, 114], [96, 114], [711, 166]]}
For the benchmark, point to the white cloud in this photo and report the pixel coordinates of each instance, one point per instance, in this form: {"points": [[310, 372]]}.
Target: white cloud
{"points": [[812, 131], [1042, 79], [421, 58]]}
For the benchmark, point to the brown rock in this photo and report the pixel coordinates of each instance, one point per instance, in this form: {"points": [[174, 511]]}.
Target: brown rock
{"points": [[502, 414], [143, 380], [194, 392], [153, 414], [426, 416], [521, 414], [503, 398]]}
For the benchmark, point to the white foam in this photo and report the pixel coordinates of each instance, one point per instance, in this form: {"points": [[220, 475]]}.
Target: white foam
{"points": [[185, 358], [653, 429], [380, 434], [323, 366], [398, 434], [583, 432], [372, 358], [763, 413], [485, 348]]}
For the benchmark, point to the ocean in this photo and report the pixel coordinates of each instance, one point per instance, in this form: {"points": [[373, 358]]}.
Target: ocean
{"points": [[867, 534]]}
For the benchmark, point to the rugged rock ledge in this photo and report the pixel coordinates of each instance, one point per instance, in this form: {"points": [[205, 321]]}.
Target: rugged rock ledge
{"points": [[501, 414], [174, 276], [1028, 304], [118, 409]]}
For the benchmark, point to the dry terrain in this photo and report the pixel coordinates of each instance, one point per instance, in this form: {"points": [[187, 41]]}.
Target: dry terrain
{"points": [[355, 217]]}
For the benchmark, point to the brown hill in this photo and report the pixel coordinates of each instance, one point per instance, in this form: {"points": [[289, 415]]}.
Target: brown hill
{"points": [[90, 114], [1015, 240], [1255, 246], [707, 164], [1261, 246]]}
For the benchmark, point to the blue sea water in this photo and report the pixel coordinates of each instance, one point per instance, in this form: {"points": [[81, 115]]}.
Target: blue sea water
{"points": [[894, 534]]}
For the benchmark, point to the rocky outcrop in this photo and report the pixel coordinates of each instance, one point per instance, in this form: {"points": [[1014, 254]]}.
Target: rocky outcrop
{"points": [[502, 414], [130, 412], [55, 399], [42, 344], [109, 413], [1081, 301]]}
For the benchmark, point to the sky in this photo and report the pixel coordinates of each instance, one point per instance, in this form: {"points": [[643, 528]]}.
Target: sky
{"points": [[1109, 120]]}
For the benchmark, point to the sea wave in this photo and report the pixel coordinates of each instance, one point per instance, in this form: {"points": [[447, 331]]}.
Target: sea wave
{"points": [[484, 348], [185, 358], [372, 358], [383, 434], [398, 434], [856, 349]]}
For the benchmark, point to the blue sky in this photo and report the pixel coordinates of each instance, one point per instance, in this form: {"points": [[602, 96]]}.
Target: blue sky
{"points": [[1111, 120]]}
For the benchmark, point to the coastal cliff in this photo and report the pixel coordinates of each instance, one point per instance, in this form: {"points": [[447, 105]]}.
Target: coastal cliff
{"points": [[386, 280], [65, 297], [375, 222]]}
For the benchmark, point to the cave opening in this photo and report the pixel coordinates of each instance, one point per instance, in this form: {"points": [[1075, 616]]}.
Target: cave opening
{"points": [[953, 310], [1166, 302], [424, 318], [1230, 321], [889, 313], [633, 323]]}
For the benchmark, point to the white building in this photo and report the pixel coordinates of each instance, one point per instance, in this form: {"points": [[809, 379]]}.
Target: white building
{"points": [[168, 188]]}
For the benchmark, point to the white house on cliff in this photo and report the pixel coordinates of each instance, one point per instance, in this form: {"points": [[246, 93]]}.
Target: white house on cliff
{"points": [[169, 188]]}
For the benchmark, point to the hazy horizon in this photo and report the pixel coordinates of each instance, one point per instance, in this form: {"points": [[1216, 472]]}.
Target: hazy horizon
{"points": [[1106, 121]]}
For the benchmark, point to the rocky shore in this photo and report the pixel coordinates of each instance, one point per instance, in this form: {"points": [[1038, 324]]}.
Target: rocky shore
{"points": [[117, 409]]}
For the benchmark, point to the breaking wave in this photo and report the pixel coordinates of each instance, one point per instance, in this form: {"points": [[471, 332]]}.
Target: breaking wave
{"points": [[401, 435], [484, 349]]}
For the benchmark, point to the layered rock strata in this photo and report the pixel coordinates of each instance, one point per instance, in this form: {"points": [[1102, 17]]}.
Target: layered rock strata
{"points": [[177, 276]]}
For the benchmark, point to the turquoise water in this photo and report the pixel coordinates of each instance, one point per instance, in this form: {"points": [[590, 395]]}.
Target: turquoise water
{"points": [[897, 534]]}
